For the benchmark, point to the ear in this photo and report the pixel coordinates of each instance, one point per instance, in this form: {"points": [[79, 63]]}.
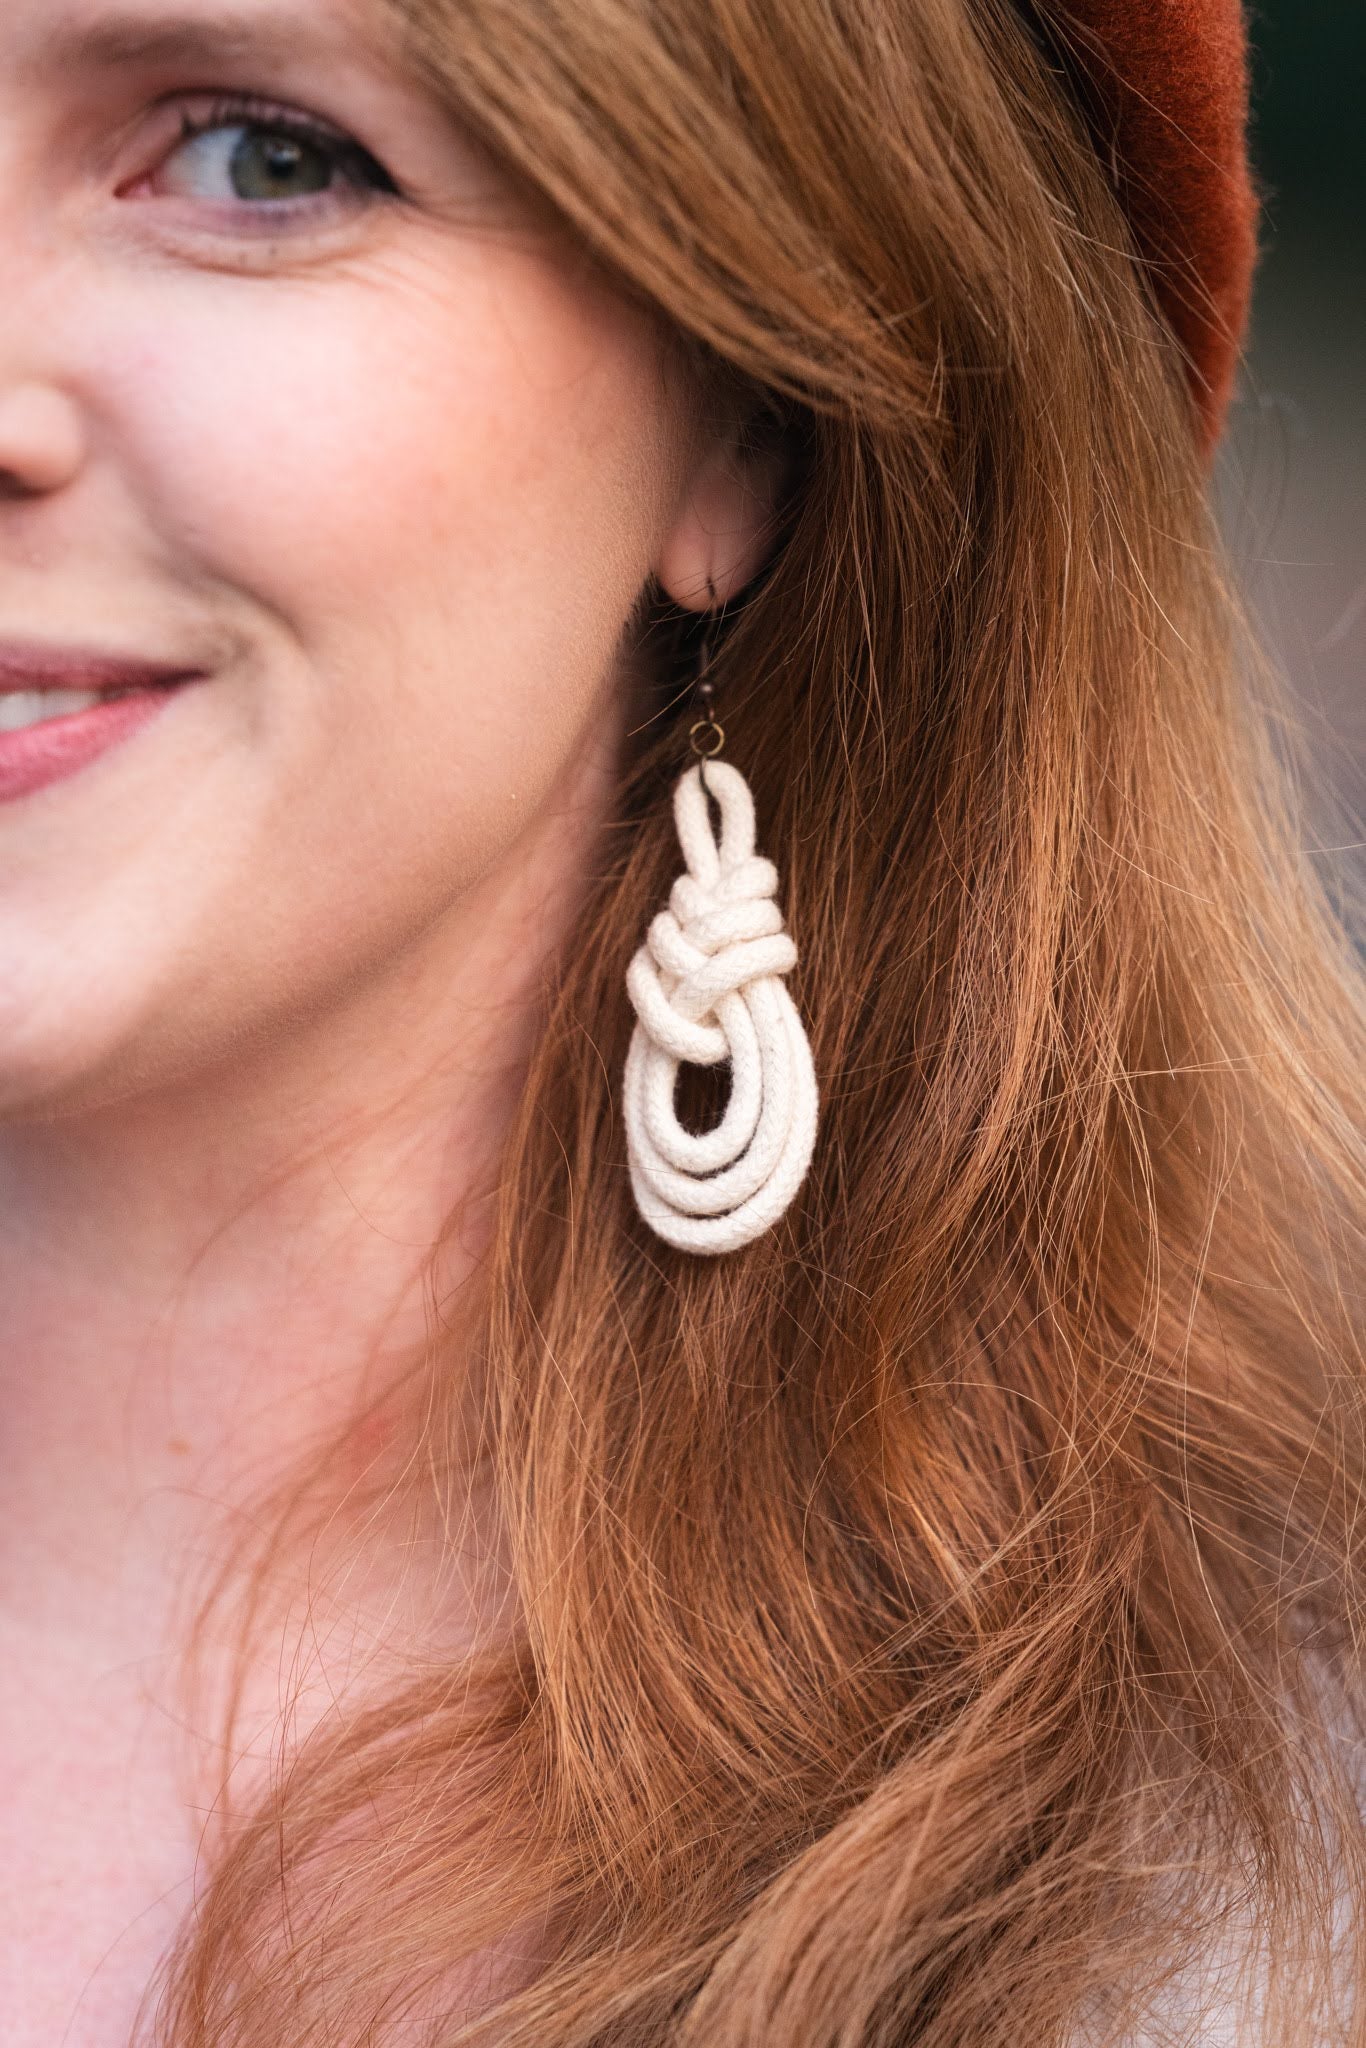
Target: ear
{"points": [[723, 528]]}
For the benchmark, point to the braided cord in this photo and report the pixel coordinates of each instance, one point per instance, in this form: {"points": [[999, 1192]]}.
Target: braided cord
{"points": [[705, 985]]}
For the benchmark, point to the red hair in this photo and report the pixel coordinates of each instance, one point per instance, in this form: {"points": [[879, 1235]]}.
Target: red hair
{"points": [[918, 1623]]}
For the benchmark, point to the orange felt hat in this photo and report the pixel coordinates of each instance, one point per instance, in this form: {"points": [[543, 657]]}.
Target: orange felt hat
{"points": [[1164, 85]]}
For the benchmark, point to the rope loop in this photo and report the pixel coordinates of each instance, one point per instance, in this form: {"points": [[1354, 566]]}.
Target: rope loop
{"points": [[705, 985]]}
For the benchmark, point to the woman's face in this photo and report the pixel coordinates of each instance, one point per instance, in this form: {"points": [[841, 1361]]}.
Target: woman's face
{"points": [[312, 412]]}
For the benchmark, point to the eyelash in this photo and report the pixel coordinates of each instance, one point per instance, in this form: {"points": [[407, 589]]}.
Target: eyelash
{"points": [[245, 111]]}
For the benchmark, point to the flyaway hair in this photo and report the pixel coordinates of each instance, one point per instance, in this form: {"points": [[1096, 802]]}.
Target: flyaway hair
{"points": [[928, 1625]]}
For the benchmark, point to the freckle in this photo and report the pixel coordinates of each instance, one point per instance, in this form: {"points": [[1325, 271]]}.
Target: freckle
{"points": [[178, 1447]]}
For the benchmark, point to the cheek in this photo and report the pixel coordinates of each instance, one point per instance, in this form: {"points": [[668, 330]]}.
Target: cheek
{"points": [[459, 418], [428, 497]]}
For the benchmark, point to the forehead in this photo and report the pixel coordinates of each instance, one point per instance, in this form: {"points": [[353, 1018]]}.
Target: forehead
{"points": [[43, 38]]}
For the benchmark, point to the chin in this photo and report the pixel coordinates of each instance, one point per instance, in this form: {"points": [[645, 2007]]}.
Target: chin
{"points": [[56, 1062]]}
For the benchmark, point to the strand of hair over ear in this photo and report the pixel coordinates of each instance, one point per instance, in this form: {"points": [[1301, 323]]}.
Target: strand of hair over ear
{"points": [[706, 987]]}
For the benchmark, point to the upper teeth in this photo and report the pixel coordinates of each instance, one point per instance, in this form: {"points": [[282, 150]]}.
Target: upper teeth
{"points": [[20, 708]]}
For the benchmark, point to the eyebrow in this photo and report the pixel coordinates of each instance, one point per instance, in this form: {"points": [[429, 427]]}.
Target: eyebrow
{"points": [[121, 41]]}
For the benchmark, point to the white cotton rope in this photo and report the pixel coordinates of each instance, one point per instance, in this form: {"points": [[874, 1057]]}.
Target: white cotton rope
{"points": [[705, 987]]}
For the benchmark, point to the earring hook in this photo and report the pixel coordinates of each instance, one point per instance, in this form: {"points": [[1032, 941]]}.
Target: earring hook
{"points": [[707, 735]]}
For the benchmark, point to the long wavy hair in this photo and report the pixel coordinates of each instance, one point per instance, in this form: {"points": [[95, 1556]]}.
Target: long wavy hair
{"points": [[938, 1622]]}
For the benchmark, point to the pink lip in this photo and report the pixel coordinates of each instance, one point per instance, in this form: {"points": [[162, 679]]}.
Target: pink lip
{"points": [[29, 666], [49, 752]]}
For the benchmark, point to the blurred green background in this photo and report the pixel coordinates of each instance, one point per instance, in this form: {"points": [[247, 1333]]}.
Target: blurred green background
{"points": [[1292, 481]]}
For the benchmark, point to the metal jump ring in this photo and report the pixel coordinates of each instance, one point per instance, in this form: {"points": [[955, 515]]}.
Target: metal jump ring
{"points": [[716, 733]]}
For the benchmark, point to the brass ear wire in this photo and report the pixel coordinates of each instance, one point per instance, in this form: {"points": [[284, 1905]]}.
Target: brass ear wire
{"points": [[707, 735]]}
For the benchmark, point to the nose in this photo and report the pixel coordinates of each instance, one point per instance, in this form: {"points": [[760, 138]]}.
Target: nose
{"points": [[42, 442]]}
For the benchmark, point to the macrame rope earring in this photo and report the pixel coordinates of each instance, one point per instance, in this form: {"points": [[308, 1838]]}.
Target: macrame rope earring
{"points": [[705, 986]]}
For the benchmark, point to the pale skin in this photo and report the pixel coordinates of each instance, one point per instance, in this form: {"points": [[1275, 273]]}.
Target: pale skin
{"points": [[392, 471]]}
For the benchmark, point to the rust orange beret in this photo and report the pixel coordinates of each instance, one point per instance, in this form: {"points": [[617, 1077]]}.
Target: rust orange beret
{"points": [[1164, 85]]}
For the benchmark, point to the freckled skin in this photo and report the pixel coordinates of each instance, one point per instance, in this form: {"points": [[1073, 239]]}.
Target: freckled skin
{"points": [[397, 482], [394, 480]]}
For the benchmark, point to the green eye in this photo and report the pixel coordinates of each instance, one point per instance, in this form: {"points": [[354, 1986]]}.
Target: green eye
{"points": [[278, 166], [263, 158]]}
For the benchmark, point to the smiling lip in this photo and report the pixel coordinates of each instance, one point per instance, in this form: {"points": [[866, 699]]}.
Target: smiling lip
{"points": [[136, 693], [30, 666]]}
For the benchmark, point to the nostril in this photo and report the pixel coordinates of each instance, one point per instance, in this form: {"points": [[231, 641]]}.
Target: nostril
{"points": [[42, 440]]}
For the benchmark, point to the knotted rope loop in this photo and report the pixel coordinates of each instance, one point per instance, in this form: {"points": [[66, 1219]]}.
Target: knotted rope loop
{"points": [[706, 987]]}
